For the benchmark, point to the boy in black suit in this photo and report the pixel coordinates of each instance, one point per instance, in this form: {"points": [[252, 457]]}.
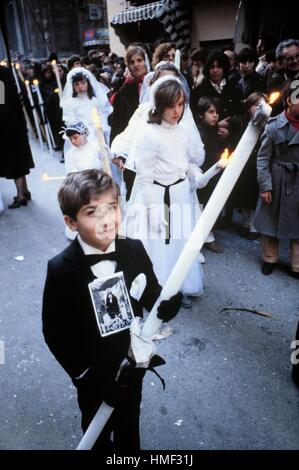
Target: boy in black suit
{"points": [[89, 203]]}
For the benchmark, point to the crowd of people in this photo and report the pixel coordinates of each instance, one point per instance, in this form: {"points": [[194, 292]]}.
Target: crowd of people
{"points": [[164, 122]]}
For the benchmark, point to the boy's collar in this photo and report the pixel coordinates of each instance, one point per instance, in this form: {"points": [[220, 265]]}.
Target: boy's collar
{"points": [[91, 250]]}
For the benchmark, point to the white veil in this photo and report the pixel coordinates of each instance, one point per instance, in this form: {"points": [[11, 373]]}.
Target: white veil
{"points": [[99, 90]]}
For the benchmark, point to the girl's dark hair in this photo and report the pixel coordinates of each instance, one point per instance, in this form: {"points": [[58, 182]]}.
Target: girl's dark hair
{"points": [[204, 104], [167, 94], [79, 77], [247, 54], [221, 59], [70, 132], [169, 67], [80, 187], [72, 60]]}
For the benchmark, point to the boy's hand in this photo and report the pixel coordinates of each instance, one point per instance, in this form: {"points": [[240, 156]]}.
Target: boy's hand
{"points": [[169, 308], [266, 197]]}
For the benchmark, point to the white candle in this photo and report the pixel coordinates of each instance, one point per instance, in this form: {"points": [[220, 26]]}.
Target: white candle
{"points": [[41, 105], [35, 115], [20, 72], [28, 88], [209, 216], [214, 170], [97, 122], [54, 65], [177, 59], [16, 78]]}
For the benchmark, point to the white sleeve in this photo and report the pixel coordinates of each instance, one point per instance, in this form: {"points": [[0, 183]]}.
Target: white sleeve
{"points": [[195, 148], [144, 152], [122, 142]]}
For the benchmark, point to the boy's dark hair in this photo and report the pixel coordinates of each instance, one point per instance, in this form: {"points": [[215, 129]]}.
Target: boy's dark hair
{"points": [[247, 54], [204, 104], [72, 60], [167, 94], [80, 187], [78, 77], [221, 59]]}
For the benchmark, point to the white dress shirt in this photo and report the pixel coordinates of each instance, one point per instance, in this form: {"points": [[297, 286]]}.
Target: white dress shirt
{"points": [[103, 268]]}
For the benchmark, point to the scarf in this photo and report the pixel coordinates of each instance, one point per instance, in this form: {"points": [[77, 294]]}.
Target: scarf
{"points": [[292, 120], [130, 79]]}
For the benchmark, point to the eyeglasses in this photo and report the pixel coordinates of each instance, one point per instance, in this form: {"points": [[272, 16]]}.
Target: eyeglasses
{"points": [[292, 58]]}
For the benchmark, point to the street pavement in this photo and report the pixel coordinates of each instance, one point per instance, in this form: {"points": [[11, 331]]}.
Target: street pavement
{"points": [[228, 382]]}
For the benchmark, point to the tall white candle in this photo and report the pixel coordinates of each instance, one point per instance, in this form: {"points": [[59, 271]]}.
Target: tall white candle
{"points": [[41, 105], [54, 65], [98, 124], [177, 59], [34, 112], [16, 78]]}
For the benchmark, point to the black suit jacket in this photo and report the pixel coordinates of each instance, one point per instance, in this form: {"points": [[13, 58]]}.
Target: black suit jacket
{"points": [[69, 323]]}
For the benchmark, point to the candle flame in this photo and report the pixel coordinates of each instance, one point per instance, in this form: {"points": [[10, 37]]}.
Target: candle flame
{"points": [[26, 82], [53, 62], [225, 155], [273, 97], [17, 66], [35, 82], [56, 90], [46, 177]]}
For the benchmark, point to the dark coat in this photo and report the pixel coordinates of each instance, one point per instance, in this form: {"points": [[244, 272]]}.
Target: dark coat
{"points": [[278, 171], [125, 104], [252, 83], [69, 323], [17, 160], [213, 150], [71, 332], [230, 99]]}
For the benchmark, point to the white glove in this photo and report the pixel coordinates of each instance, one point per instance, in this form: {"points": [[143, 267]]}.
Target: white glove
{"points": [[196, 177]]}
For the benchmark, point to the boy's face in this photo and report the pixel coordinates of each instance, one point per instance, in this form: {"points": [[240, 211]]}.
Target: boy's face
{"points": [[98, 222], [78, 140]]}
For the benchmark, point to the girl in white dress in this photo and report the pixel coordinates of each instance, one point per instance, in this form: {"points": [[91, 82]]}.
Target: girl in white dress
{"points": [[162, 208], [81, 94]]}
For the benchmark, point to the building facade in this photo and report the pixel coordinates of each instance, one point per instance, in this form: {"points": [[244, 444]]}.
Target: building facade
{"points": [[37, 27]]}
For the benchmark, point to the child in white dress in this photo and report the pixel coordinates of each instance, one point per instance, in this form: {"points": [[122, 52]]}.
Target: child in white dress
{"points": [[83, 154], [162, 208], [82, 93]]}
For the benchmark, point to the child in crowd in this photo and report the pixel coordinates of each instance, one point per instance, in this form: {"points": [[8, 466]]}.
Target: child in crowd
{"points": [[89, 203], [83, 154], [81, 95], [207, 122], [162, 208]]}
